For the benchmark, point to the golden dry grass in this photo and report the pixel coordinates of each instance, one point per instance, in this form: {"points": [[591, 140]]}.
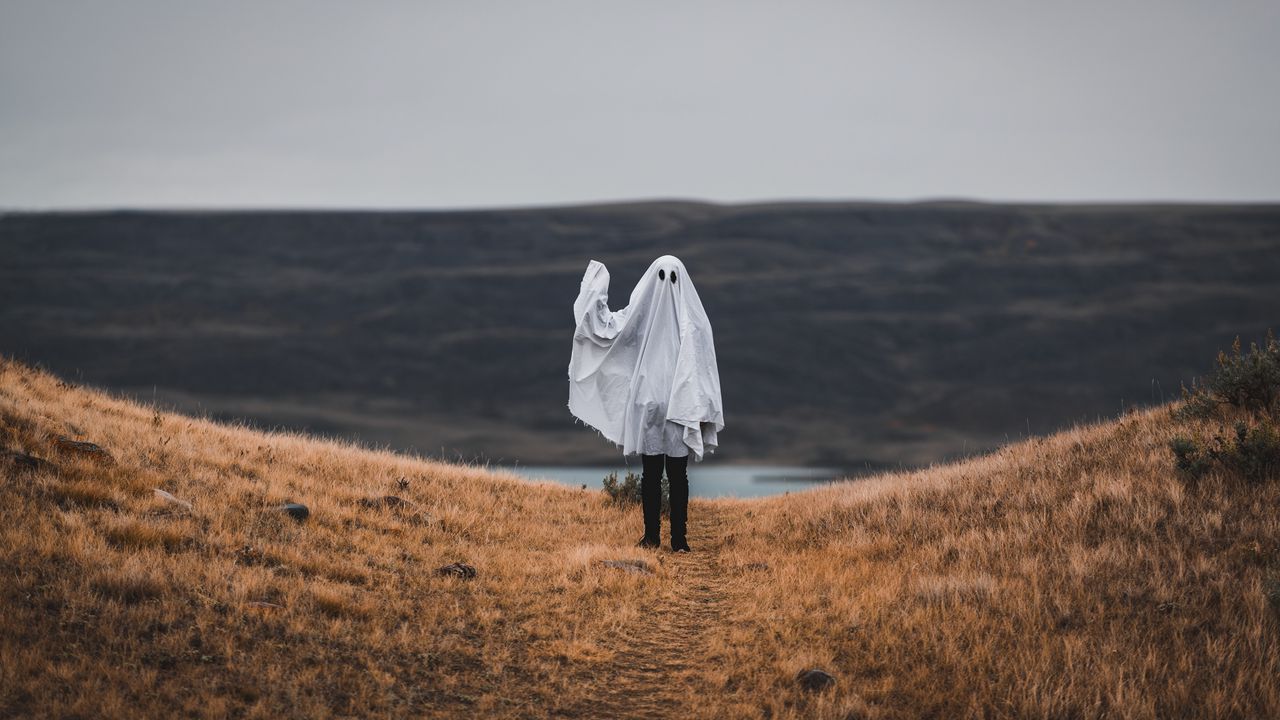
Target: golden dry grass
{"points": [[1071, 576]]}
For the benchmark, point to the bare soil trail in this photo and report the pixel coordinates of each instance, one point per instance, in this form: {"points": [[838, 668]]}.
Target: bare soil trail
{"points": [[656, 666]]}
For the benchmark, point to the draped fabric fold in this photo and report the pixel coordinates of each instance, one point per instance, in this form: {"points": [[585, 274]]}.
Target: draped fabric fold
{"points": [[645, 376]]}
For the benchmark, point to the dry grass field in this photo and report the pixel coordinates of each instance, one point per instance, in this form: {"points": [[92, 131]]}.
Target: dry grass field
{"points": [[1076, 575]]}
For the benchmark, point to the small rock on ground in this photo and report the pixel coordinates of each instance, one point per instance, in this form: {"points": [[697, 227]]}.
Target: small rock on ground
{"points": [[87, 449], [458, 570], [297, 511], [815, 680]]}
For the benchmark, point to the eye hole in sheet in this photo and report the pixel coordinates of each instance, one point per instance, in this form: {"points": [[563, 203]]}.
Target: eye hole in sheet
{"points": [[662, 275]]}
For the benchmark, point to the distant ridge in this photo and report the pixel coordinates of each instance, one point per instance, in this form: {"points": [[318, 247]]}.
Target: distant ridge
{"points": [[921, 331]]}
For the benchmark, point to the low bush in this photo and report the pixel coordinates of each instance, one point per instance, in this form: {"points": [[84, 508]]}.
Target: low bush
{"points": [[1249, 382], [1244, 388], [1251, 452], [627, 492]]}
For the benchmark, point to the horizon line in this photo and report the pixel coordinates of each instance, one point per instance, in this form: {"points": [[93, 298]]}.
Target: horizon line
{"points": [[942, 200]]}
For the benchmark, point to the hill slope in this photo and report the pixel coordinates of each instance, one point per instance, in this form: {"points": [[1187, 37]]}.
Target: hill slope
{"points": [[920, 331], [1068, 576]]}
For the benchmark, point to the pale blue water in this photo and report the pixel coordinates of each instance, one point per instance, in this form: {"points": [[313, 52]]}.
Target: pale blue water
{"points": [[705, 480]]}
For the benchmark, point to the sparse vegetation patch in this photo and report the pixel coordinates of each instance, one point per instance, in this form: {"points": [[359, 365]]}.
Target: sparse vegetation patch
{"points": [[1234, 415], [627, 491]]}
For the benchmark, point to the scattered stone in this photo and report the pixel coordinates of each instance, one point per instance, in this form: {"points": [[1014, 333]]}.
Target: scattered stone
{"points": [[638, 567], [815, 680], [458, 570], [23, 461], [297, 511], [85, 449], [170, 499], [756, 566]]}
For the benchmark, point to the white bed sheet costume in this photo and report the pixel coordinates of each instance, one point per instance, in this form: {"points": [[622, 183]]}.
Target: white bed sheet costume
{"points": [[645, 376]]}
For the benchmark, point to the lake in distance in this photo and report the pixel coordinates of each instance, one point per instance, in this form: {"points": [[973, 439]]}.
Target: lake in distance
{"points": [[707, 481]]}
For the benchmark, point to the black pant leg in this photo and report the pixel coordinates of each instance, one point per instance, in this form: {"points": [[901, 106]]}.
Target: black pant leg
{"points": [[651, 495], [678, 481]]}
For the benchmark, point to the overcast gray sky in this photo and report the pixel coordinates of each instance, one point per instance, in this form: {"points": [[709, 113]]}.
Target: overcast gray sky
{"points": [[453, 104]]}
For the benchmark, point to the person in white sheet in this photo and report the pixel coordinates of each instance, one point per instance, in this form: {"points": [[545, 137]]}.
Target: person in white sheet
{"points": [[645, 377]]}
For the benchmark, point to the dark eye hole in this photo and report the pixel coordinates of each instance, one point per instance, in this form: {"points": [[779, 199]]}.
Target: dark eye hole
{"points": [[673, 277], [662, 275]]}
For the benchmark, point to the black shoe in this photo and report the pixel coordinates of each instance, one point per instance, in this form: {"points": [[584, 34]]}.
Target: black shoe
{"points": [[680, 546], [648, 542]]}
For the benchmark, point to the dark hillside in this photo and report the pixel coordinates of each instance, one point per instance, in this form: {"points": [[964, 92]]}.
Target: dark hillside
{"points": [[849, 334]]}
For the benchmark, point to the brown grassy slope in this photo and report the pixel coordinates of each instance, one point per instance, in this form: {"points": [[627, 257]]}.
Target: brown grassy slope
{"points": [[1071, 576]]}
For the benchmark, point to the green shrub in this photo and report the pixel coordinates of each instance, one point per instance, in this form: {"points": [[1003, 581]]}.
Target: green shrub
{"points": [[1246, 387], [1189, 456], [1255, 453], [1251, 452], [1247, 381], [627, 492]]}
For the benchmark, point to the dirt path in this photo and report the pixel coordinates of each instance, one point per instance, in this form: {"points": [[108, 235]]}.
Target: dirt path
{"points": [[656, 656]]}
